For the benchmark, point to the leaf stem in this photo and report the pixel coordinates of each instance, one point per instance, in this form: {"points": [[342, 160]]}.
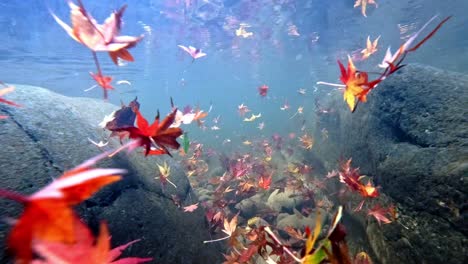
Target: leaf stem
{"points": [[216, 240], [171, 183], [97, 63], [332, 84], [13, 196], [268, 230]]}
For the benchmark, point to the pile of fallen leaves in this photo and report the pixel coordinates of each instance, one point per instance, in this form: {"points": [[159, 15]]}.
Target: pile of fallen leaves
{"points": [[256, 174]]}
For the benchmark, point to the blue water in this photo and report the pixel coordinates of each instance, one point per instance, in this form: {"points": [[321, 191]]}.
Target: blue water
{"points": [[35, 50]]}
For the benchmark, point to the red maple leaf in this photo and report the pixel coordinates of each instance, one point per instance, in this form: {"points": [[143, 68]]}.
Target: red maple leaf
{"points": [[157, 137], [48, 213], [265, 182], [352, 178], [263, 90], [380, 214], [7, 89]]}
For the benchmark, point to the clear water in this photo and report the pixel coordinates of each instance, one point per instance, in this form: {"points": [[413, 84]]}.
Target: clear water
{"points": [[35, 50]]}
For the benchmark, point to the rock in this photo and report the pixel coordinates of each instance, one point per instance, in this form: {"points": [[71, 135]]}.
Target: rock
{"points": [[411, 137], [299, 221], [171, 240], [295, 221], [285, 201], [49, 135], [250, 207]]}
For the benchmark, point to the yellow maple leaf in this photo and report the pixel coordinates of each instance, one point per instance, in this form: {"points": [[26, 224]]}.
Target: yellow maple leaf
{"points": [[371, 47]]}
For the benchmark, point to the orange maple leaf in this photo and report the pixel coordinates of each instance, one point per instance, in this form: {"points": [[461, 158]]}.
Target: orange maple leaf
{"points": [[48, 213], [85, 250], [264, 182], [103, 81]]}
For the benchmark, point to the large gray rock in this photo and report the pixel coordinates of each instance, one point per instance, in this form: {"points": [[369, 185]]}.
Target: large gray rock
{"points": [[49, 135], [412, 137]]}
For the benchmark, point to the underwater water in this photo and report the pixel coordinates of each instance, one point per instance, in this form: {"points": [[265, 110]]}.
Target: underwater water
{"points": [[270, 154]]}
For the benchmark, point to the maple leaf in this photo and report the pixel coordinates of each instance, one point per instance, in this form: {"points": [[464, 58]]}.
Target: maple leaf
{"points": [[243, 109], [6, 90], [190, 208], [164, 173], [97, 37], [193, 52], [165, 136], [103, 81], [252, 117], [362, 258], [292, 31], [368, 190], [351, 177], [85, 249], [363, 4], [242, 32], [164, 170], [189, 117], [182, 118], [379, 213], [307, 141], [331, 174], [157, 137], [294, 233], [124, 117], [239, 169], [265, 182], [354, 82], [263, 90], [371, 47], [229, 229], [394, 63], [230, 226], [48, 213], [232, 258]]}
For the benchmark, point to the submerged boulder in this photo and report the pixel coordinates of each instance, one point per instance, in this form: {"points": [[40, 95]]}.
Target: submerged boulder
{"points": [[49, 135], [412, 138]]}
